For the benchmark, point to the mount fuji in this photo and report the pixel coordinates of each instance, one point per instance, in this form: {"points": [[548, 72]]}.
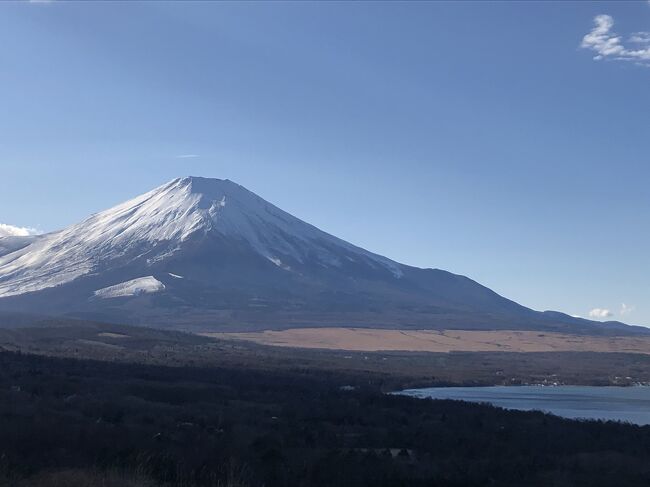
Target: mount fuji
{"points": [[208, 254]]}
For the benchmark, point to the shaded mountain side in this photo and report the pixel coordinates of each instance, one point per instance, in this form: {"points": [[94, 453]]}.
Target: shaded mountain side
{"points": [[192, 306]]}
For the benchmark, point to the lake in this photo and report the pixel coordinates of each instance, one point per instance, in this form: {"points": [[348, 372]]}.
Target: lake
{"points": [[630, 404]]}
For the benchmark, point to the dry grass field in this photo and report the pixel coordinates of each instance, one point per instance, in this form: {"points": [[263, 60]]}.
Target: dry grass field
{"points": [[369, 340]]}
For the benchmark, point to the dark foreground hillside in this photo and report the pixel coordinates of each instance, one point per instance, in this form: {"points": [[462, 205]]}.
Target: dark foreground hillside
{"points": [[71, 423]]}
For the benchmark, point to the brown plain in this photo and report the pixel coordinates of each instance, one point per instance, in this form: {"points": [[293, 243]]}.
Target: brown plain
{"points": [[370, 340]]}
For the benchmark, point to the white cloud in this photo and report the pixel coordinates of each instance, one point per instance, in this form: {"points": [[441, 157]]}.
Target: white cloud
{"points": [[187, 156], [608, 45], [12, 231], [640, 38], [600, 313], [625, 309]]}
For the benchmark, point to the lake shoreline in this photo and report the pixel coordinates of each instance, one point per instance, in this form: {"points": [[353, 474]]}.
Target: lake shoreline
{"points": [[599, 403]]}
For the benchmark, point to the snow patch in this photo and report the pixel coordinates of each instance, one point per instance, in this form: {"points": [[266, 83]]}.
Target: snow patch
{"points": [[134, 287], [279, 263]]}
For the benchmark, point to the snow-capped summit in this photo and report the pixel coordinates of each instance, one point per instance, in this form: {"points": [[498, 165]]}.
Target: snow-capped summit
{"points": [[208, 252], [154, 227]]}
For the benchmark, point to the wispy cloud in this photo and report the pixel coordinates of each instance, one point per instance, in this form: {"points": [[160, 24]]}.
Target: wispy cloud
{"points": [[625, 309], [13, 231], [600, 313], [187, 156], [640, 38], [609, 45]]}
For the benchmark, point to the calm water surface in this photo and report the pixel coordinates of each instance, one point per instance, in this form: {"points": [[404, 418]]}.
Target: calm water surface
{"points": [[630, 404]]}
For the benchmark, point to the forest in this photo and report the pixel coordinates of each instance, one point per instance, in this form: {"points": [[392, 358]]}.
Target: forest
{"points": [[71, 422]]}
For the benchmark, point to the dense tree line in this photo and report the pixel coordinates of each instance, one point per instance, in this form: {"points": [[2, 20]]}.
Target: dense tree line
{"points": [[99, 423]]}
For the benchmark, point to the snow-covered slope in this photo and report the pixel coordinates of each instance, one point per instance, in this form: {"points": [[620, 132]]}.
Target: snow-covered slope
{"points": [[208, 252], [134, 287], [12, 243], [153, 226]]}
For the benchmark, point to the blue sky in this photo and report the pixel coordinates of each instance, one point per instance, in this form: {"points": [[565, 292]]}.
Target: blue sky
{"points": [[493, 140]]}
